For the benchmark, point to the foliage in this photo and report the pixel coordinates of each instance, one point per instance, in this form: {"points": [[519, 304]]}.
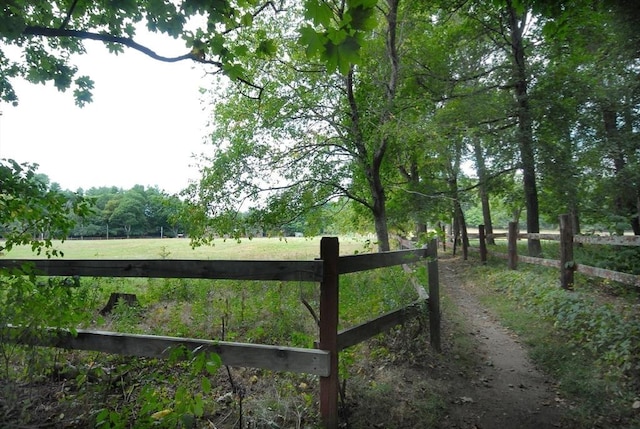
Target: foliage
{"points": [[129, 213], [623, 259], [49, 34], [31, 213], [311, 137], [609, 332]]}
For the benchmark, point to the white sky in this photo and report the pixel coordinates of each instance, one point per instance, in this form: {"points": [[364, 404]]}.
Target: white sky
{"points": [[145, 122]]}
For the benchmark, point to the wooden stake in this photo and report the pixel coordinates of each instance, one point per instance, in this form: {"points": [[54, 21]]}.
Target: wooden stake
{"points": [[329, 253]]}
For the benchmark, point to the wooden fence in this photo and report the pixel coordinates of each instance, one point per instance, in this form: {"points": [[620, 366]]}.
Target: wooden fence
{"points": [[566, 264], [322, 361]]}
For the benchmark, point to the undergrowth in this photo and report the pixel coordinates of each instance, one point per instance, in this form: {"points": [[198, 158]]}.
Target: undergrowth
{"points": [[617, 258], [99, 390]]}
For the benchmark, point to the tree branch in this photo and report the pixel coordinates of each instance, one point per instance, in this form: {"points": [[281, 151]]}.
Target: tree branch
{"points": [[69, 13], [108, 38]]}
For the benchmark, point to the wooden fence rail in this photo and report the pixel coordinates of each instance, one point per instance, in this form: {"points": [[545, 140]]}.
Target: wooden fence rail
{"points": [[326, 270], [566, 264]]}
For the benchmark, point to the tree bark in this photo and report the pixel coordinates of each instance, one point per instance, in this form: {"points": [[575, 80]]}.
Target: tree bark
{"points": [[517, 24], [484, 194], [627, 196]]}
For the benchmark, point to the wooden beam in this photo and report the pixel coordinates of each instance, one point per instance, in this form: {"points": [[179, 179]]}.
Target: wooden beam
{"points": [[483, 244], [539, 236], [370, 261], [359, 333], [567, 264], [275, 358], [628, 279], [174, 268], [539, 261], [512, 246], [434, 295], [497, 235], [614, 240]]}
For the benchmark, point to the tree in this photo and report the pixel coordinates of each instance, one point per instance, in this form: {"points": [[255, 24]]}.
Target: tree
{"points": [[312, 136], [589, 138], [33, 213]]}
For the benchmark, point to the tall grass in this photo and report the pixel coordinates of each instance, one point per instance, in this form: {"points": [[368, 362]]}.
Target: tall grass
{"points": [[255, 311]]}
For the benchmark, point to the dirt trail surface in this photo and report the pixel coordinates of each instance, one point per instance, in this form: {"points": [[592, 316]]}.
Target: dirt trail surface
{"points": [[503, 389]]}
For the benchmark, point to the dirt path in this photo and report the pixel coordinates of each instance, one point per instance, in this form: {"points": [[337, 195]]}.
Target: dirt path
{"points": [[504, 389]]}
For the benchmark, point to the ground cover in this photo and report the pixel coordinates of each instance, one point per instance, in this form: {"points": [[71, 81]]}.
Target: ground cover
{"points": [[505, 363], [116, 392], [617, 258]]}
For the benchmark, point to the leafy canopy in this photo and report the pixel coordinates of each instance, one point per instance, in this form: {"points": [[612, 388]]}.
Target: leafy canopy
{"points": [[49, 34], [30, 209]]}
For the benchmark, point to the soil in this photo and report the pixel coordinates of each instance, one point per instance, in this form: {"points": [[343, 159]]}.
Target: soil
{"points": [[504, 389]]}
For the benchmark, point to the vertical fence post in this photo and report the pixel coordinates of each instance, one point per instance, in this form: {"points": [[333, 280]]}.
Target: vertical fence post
{"points": [[513, 245], [329, 252], [567, 264], [483, 244], [434, 294]]}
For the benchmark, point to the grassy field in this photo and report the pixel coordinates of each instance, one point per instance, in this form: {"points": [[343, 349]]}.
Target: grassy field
{"points": [[112, 391], [176, 248]]}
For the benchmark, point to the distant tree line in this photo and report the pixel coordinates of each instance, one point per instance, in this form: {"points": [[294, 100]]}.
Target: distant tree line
{"points": [[110, 212], [135, 212]]}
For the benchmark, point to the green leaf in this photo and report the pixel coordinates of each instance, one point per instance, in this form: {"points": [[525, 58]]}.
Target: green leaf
{"points": [[348, 54], [246, 20], [362, 18], [214, 362], [337, 36], [205, 384], [314, 41], [267, 48], [318, 12], [234, 71]]}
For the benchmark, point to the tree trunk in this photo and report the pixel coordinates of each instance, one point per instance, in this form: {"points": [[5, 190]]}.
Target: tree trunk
{"points": [[484, 194], [371, 153], [636, 229], [627, 199], [517, 26], [380, 213], [462, 228]]}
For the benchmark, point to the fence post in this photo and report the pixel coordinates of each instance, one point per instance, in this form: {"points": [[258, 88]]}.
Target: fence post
{"points": [[483, 244], [329, 252], [567, 264], [434, 294], [513, 245]]}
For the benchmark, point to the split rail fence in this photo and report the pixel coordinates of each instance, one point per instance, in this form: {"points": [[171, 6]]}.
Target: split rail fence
{"points": [[326, 270], [566, 264]]}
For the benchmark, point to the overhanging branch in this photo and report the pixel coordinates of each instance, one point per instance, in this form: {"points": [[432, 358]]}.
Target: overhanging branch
{"points": [[108, 38]]}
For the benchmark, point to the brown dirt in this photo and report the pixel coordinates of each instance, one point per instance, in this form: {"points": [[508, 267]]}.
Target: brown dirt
{"points": [[503, 389]]}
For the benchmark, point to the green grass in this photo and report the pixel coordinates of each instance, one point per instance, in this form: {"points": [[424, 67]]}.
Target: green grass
{"points": [[176, 248], [257, 311]]}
